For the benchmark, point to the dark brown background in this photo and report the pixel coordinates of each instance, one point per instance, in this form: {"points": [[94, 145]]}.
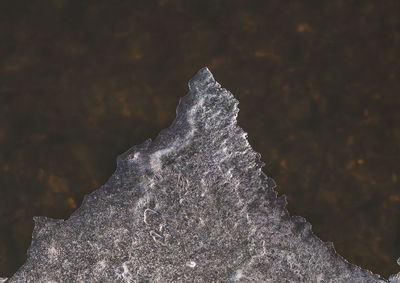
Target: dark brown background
{"points": [[318, 85]]}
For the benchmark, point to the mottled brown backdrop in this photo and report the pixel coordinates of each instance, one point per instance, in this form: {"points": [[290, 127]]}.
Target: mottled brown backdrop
{"points": [[318, 85]]}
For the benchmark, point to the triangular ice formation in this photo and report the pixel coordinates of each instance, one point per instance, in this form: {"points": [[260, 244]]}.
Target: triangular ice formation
{"points": [[191, 206]]}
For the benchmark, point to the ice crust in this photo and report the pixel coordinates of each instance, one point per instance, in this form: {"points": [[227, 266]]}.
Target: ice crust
{"points": [[191, 206]]}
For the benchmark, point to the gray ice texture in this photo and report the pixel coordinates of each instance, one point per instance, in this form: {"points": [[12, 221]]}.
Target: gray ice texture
{"points": [[191, 206]]}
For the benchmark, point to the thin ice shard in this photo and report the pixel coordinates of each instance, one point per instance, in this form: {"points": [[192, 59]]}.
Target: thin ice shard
{"points": [[191, 206]]}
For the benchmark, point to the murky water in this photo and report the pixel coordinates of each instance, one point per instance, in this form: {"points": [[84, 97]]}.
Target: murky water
{"points": [[318, 85]]}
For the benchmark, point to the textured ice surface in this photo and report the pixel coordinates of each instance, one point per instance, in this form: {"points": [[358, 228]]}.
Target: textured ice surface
{"points": [[191, 206]]}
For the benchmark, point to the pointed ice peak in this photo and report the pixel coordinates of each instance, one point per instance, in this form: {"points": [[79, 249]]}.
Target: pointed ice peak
{"points": [[202, 81]]}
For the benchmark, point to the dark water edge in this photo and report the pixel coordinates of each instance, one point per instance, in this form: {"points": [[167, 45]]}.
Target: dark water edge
{"points": [[318, 85]]}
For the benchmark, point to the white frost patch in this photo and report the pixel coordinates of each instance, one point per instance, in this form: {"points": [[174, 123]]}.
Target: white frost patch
{"points": [[145, 214], [100, 265], [238, 275], [123, 272], [52, 251], [320, 278], [155, 158], [191, 264], [229, 174], [133, 157]]}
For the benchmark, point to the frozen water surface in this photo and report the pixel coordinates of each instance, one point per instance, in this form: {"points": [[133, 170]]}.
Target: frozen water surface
{"points": [[191, 206]]}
